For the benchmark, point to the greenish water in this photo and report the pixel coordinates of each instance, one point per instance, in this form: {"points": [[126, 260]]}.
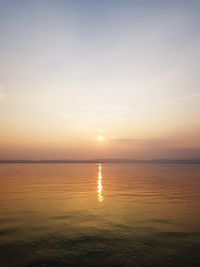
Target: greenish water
{"points": [[99, 215]]}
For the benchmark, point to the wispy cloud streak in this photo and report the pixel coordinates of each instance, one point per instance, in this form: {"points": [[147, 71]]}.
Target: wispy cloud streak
{"points": [[168, 101]]}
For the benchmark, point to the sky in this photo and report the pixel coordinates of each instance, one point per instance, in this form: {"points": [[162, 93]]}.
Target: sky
{"points": [[88, 79]]}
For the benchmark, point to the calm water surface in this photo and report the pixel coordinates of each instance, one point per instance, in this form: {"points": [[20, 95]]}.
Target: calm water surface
{"points": [[99, 215]]}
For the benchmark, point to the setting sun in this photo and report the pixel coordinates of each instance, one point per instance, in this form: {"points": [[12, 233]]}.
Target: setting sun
{"points": [[100, 138]]}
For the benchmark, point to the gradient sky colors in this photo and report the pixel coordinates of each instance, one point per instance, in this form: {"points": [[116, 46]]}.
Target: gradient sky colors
{"points": [[73, 70]]}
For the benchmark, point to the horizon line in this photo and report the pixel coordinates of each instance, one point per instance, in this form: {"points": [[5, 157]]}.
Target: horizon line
{"points": [[104, 160]]}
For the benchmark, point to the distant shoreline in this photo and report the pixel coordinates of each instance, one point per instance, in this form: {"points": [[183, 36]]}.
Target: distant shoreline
{"points": [[96, 161]]}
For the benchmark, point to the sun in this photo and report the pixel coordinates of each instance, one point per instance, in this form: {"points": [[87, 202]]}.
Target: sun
{"points": [[100, 138]]}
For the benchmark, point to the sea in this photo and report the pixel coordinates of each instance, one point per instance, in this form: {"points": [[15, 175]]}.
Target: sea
{"points": [[121, 215]]}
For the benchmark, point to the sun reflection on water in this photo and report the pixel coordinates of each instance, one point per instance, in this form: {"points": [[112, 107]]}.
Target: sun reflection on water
{"points": [[99, 183]]}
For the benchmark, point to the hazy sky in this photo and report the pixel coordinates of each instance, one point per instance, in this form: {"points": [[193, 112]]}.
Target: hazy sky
{"points": [[127, 70]]}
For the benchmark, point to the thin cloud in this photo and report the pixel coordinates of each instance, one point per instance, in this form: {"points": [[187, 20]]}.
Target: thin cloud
{"points": [[143, 142], [172, 100]]}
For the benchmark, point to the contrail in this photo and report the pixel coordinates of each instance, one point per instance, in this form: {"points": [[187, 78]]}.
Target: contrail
{"points": [[177, 99]]}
